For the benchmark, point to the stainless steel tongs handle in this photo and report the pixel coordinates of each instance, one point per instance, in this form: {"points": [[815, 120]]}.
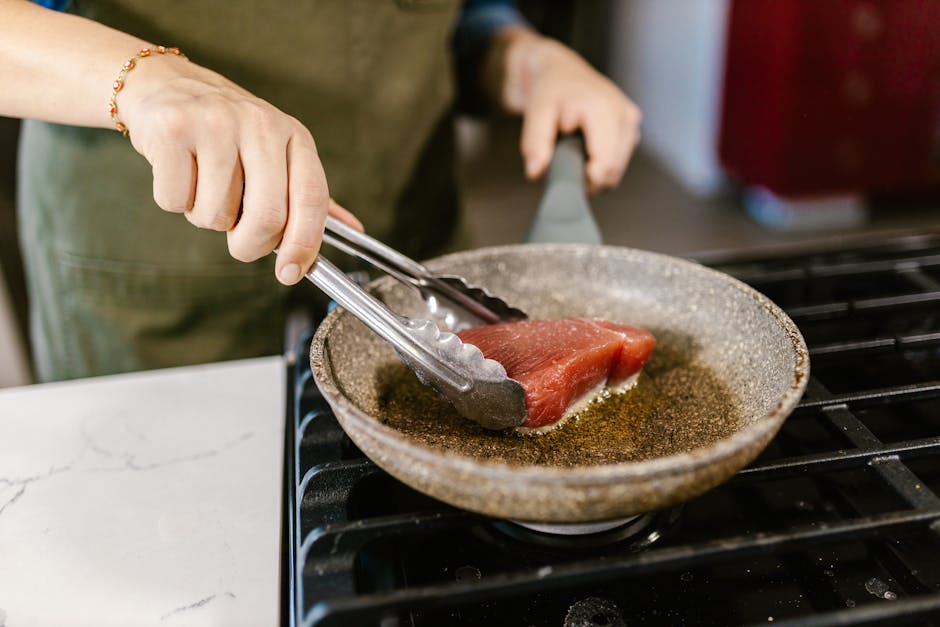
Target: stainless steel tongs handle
{"points": [[477, 387], [386, 258], [447, 297]]}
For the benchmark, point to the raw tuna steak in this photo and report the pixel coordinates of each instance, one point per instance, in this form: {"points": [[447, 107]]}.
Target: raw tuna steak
{"points": [[563, 363]]}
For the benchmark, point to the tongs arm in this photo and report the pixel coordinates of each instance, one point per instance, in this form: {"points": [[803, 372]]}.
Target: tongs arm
{"points": [[347, 239], [485, 307]]}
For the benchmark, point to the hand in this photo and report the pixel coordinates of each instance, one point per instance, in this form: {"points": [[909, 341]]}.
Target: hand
{"points": [[556, 90], [229, 161]]}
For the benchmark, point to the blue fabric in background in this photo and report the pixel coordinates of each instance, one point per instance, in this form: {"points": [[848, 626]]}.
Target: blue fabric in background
{"points": [[55, 5], [479, 21]]}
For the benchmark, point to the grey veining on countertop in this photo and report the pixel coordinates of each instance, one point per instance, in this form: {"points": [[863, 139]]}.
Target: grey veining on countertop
{"points": [[143, 499]]}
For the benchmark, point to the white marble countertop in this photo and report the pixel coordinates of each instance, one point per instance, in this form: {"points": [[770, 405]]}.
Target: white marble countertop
{"points": [[143, 499]]}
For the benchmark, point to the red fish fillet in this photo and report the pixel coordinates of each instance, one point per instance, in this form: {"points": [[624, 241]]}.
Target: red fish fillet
{"points": [[557, 362]]}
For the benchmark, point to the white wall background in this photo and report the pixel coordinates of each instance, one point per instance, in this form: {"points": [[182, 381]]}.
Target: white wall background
{"points": [[668, 55]]}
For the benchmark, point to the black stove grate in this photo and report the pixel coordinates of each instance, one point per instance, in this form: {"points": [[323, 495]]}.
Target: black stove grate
{"points": [[836, 523]]}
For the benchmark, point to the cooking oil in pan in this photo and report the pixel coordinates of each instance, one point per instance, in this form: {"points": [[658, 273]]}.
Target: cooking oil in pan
{"points": [[676, 406]]}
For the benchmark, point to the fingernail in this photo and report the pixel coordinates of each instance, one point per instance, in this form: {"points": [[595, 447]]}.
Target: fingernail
{"points": [[290, 273], [531, 168]]}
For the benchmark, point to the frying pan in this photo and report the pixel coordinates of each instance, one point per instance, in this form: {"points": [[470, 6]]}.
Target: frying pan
{"points": [[729, 366]]}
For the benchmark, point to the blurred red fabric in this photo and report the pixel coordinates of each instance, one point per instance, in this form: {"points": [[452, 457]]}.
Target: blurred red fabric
{"points": [[832, 96]]}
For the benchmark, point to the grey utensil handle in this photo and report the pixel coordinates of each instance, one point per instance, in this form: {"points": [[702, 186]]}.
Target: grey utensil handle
{"points": [[567, 166], [564, 214]]}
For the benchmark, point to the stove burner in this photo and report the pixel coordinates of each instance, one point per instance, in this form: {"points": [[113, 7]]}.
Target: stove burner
{"points": [[637, 531], [576, 529]]}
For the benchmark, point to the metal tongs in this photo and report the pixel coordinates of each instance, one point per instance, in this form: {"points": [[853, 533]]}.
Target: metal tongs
{"points": [[477, 387]]}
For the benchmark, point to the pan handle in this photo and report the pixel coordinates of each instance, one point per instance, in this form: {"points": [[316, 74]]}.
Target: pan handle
{"points": [[564, 214]]}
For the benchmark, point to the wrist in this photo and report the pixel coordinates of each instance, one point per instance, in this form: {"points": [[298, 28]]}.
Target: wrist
{"points": [[151, 68]]}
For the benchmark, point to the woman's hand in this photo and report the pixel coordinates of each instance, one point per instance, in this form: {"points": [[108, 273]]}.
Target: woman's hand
{"points": [[224, 158], [229, 161], [556, 90]]}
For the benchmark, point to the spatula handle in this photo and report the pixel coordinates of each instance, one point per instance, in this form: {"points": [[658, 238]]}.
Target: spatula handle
{"points": [[564, 214], [567, 166]]}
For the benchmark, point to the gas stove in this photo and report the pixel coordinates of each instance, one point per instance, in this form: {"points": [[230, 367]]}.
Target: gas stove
{"points": [[836, 523]]}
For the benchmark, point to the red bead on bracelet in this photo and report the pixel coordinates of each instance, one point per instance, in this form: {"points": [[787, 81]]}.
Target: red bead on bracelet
{"points": [[118, 83]]}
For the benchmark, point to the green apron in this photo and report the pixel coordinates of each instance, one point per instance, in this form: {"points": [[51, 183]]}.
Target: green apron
{"points": [[116, 284]]}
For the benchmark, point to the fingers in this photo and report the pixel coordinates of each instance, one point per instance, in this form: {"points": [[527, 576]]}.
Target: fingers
{"points": [[539, 127], [606, 153], [231, 162], [344, 215], [610, 135], [218, 187], [264, 206], [174, 179], [308, 202]]}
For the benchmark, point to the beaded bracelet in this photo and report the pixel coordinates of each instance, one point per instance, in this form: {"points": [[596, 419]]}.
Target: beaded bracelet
{"points": [[118, 83]]}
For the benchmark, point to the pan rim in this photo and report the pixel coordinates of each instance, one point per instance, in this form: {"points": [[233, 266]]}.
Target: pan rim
{"points": [[760, 429]]}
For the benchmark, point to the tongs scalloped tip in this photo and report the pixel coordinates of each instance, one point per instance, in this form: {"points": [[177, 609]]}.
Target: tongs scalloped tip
{"points": [[490, 398]]}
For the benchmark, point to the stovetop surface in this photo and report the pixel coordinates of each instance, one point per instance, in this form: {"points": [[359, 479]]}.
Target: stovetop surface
{"points": [[836, 523]]}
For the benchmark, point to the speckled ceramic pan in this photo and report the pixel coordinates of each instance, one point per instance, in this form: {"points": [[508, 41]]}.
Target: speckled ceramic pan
{"points": [[728, 368]]}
